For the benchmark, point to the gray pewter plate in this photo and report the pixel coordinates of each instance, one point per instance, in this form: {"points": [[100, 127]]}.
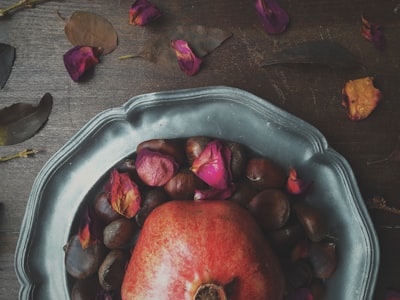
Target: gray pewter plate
{"points": [[77, 169]]}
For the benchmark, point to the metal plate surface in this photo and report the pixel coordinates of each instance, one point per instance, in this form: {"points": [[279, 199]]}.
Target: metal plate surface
{"points": [[222, 112]]}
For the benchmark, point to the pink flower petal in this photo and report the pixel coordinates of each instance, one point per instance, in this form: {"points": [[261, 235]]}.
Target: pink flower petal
{"points": [[215, 194], [213, 165], [296, 185], [187, 60], [273, 17], [143, 12], [80, 59], [125, 195]]}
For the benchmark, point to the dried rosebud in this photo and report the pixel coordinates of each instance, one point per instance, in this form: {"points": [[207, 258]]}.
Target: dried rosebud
{"points": [[81, 59], [212, 194], [273, 17], [360, 98], [187, 60], [155, 168], [296, 185], [300, 294], [373, 33], [213, 165], [125, 195], [90, 229], [392, 295], [143, 12]]}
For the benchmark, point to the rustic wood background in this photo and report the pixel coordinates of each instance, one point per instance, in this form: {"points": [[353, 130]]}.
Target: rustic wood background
{"points": [[311, 93]]}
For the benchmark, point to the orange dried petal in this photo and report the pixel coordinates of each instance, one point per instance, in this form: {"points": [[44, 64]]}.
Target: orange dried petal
{"points": [[360, 97]]}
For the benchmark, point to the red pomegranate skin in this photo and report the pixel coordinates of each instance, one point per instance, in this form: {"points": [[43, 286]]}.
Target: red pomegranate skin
{"points": [[184, 244]]}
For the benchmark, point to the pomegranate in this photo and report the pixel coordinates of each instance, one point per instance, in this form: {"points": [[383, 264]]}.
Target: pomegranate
{"points": [[198, 250]]}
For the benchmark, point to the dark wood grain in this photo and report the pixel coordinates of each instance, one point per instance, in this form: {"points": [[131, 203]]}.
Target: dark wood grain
{"points": [[311, 93]]}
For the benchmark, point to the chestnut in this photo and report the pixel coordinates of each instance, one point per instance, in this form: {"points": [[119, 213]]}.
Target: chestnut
{"points": [[120, 233], [312, 221], [86, 289], [287, 236], [171, 147], [271, 208], [103, 208], [243, 194], [263, 173], [183, 185], [238, 160], [194, 146], [112, 270], [150, 199], [323, 258], [81, 263], [298, 274]]}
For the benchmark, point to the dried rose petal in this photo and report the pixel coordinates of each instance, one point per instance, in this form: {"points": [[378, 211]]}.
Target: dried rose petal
{"points": [[187, 60], [392, 295], [90, 229], [296, 185], [125, 195], [212, 165], [360, 98], [143, 12], [155, 168], [215, 194], [273, 17], [80, 59], [373, 33], [300, 294]]}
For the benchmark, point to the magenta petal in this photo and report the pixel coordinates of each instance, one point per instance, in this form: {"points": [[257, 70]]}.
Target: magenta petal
{"points": [[143, 12], [215, 194], [213, 165], [273, 17], [187, 60], [155, 168], [80, 59]]}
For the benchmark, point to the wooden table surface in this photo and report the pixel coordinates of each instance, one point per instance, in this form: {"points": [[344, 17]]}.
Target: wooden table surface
{"points": [[311, 93]]}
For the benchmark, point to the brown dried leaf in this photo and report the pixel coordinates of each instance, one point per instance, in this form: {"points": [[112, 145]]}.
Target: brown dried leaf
{"points": [[21, 121], [88, 29], [202, 41]]}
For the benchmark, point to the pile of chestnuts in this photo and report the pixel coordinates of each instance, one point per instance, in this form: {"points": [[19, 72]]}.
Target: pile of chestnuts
{"points": [[192, 169]]}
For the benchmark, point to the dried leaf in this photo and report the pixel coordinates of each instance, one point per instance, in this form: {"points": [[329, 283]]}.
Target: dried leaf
{"points": [[88, 29], [202, 41], [393, 156], [21, 121], [7, 57], [360, 98], [326, 53]]}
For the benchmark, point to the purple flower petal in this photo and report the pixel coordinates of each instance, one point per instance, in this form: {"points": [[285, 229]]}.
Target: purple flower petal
{"points": [[273, 17], [373, 33], [80, 59], [215, 194], [188, 61], [143, 12]]}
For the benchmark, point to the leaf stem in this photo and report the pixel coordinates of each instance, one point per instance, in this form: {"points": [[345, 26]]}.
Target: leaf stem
{"points": [[20, 4], [21, 154], [123, 57]]}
